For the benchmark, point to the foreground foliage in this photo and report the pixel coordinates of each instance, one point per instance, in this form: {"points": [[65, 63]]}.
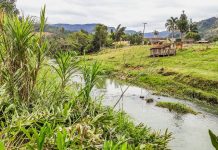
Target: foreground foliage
{"points": [[42, 108], [214, 139], [177, 107]]}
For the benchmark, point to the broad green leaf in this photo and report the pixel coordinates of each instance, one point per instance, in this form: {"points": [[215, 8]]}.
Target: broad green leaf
{"points": [[214, 139]]}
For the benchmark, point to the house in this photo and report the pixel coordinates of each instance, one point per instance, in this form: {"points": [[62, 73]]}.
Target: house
{"points": [[154, 41], [202, 42], [162, 50]]}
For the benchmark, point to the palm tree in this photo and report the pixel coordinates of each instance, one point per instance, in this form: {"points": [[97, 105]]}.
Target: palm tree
{"points": [[156, 33], [118, 33], [171, 25]]}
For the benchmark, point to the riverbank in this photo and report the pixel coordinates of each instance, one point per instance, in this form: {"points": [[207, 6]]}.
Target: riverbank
{"points": [[191, 74]]}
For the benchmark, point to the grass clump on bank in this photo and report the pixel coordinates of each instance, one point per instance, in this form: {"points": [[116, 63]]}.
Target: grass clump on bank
{"points": [[176, 107], [42, 108]]}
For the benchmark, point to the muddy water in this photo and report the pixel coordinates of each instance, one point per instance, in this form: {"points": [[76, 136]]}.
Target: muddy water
{"points": [[190, 132]]}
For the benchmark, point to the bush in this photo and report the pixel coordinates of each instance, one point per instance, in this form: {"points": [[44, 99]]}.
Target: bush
{"points": [[193, 35]]}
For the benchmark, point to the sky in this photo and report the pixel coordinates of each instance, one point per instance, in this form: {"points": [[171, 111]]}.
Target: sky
{"points": [[130, 13]]}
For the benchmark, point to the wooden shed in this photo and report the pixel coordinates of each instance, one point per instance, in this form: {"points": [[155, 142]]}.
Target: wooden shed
{"points": [[162, 50]]}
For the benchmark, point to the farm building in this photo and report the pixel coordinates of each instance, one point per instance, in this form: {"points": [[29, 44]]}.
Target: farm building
{"points": [[162, 50]]}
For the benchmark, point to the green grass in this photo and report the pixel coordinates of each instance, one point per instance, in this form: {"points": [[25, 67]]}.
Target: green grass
{"points": [[191, 74], [176, 107]]}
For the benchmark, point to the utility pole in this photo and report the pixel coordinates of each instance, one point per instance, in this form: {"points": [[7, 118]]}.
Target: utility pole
{"points": [[143, 35]]}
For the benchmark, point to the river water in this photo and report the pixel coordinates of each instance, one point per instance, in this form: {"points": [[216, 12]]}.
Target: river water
{"points": [[190, 132]]}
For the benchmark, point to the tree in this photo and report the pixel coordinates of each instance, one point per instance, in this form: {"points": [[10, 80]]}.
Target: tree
{"points": [[62, 30], [182, 24], [119, 32], [156, 33], [80, 40], [193, 31], [171, 25], [9, 6], [193, 35], [100, 37], [193, 27], [135, 39]]}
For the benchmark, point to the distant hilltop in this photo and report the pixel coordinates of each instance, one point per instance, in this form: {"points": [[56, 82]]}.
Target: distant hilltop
{"points": [[208, 28], [90, 28], [77, 27], [87, 27]]}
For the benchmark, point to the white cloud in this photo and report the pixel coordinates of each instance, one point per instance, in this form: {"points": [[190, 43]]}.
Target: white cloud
{"points": [[130, 13]]}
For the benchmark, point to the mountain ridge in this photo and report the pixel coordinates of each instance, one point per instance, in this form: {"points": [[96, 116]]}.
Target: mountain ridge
{"points": [[208, 28], [91, 26]]}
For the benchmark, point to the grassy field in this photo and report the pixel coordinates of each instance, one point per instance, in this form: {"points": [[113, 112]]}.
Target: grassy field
{"points": [[192, 74]]}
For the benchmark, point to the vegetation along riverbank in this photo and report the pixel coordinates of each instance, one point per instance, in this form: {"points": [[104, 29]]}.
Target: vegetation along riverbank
{"points": [[40, 108]]}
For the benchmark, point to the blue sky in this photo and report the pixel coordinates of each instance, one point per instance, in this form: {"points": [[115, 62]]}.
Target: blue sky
{"points": [[129, 13]]}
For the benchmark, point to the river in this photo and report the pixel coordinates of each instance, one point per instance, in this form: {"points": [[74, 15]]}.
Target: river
{"points": [[190, 132]]}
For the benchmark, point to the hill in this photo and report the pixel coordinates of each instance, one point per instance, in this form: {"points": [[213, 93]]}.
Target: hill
{"points": [[90, 28], [208, 28], [77, 27]]}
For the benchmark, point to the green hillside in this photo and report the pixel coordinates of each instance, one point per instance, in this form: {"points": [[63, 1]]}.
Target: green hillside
{"points": [[208, 28]]}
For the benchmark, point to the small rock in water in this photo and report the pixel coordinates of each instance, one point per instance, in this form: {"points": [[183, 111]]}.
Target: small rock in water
{"points": [[149, 100], [142, 97], [158, 98]]}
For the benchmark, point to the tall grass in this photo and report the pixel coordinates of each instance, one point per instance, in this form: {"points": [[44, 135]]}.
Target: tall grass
{"points": [[22, 55]]}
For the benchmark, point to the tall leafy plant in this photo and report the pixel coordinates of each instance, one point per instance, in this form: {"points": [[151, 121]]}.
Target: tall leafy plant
{"points": [[22, 54], [90, 74], [65, 66]]}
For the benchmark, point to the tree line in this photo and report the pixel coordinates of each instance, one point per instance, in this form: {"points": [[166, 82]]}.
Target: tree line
{"points": [[85, 42]]}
